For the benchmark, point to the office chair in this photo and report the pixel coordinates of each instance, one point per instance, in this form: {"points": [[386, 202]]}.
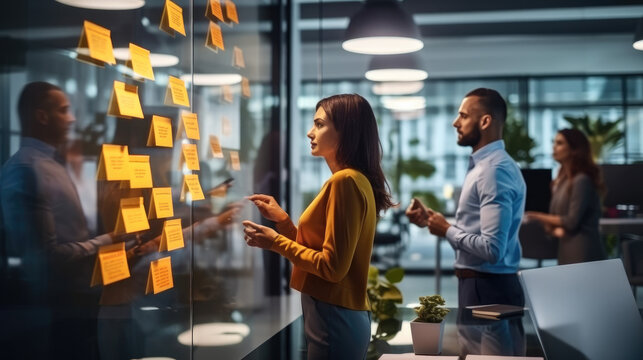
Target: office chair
{"points": [[632, 247], [535, 243]]}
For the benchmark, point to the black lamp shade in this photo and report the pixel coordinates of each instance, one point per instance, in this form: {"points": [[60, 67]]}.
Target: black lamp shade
{"points": [[638, 35]]}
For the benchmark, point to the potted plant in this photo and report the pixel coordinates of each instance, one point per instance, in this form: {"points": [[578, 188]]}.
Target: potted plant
{"points": [[428, 327]]}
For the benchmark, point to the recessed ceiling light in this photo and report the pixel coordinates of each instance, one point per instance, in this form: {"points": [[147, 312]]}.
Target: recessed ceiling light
{"points": [[105, 4], [157, 60], [212, 79], [397, 87]]}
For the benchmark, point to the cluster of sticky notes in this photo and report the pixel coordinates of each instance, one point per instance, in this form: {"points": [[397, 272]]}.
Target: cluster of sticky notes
{"points": [[172, 19], [160, 132], [113, 163], [124, 101], [110, 265], [131, 216], [161, 203], [95, 45], [159, 277], [192, 186], [140, 61], [176, 94], [190, 124], [172, 236], [140, 172]]}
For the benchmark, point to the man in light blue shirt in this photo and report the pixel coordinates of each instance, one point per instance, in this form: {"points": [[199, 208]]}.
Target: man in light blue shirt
{"points": [[491, 206]]}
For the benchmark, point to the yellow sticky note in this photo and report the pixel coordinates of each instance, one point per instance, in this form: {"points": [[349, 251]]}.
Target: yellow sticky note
{"points": [[131, 216], [160, 132], [215, 145], [226, 126], [234, 161], [95, 45], [161, 203], [190, 156], [172, 19], [190, 124], [191, 185], [124, 101], [214, 39], [160, 276], [110, 265], [213, 11], [176, 93], [226, 93], [172, 236], [140, 61], [140, 172], [113, 163], [237, 58], [231, 12], [245, 87]]}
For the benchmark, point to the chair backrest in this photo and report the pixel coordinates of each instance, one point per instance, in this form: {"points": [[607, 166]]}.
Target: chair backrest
{"points": [[633, 260], [535, 243], [584, 311]]}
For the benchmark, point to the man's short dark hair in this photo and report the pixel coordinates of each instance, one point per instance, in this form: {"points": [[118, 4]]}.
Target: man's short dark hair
{"points": [[492, 103], [32, 97]]}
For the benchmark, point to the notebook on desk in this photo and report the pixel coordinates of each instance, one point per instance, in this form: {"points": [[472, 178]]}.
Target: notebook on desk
{"points": [[584, 311], [496, 311]]}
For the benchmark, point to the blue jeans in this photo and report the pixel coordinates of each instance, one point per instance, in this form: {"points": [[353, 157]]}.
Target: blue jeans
{"points": [[335, 332]]}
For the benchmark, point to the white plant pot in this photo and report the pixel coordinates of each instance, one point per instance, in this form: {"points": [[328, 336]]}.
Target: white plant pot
{"points": [[427, 337]]}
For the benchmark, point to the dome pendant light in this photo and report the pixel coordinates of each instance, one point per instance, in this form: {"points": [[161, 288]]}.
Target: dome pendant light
{"points": [[402, 67], [382, 27], [638, 35]]}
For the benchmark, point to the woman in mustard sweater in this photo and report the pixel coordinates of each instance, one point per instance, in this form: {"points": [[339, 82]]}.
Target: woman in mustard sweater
{"points": [[331, 247]]}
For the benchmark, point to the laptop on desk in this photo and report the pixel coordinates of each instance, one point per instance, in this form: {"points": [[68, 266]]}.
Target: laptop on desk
{"points": [[584, 311]]}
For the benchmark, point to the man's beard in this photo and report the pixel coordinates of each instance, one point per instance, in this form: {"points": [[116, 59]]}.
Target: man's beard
{"points": [[472, 139]]}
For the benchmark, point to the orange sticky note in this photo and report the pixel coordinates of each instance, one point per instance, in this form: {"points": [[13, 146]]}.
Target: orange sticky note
{"points": [[161, 205], [237, 58], [231, 12], [215, 145], [234, 161], [140, 61], [213, 10], [245, 87], [110, 265], [140, 172], [190, 156], [159, 277], [131, 216], [160, 132], [95, 45], [191, 185], [176, 93], [172, 236], [226, 126], [226, 93], [172, 19], [113, 163], [190, 124], [214, 40], [124, 101]]}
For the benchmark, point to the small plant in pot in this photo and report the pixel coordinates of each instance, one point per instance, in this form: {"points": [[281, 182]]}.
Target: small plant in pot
{"points": [[428, 327]]}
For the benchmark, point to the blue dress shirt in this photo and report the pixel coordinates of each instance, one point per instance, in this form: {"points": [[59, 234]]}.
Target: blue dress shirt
{"points": [[491, 207]]}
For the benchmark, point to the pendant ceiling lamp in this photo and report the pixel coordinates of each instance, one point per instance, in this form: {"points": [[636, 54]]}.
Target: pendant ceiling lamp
{"points": [[105, 5], [382, 27], [638, 35], [402, 67]]}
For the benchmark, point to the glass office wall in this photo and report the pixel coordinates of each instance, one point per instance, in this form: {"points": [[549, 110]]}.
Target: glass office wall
{"points": [[122, 236]]}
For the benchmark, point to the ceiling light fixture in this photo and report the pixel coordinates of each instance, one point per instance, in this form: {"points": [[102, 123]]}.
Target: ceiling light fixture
{"points": [[638, 35], [212, 79], [403, 67], [397, 87], [404, 103], [382, 27], [157, 60], [105, 5]]}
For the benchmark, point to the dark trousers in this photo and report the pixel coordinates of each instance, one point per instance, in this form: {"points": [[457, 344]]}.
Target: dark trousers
{"points": [[490, 289]]}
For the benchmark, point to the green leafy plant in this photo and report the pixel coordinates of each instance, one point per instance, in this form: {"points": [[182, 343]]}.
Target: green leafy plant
{"points": [[431, 309], [602, 135], [383, 296], [518, 143]]}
